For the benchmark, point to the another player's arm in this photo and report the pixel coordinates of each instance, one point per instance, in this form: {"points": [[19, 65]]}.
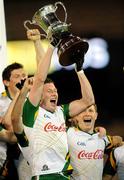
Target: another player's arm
{"points": [[117, 141], [7, 136], [6, 119], [76, 107], [107, 177], [18, 106], [114, 141]]}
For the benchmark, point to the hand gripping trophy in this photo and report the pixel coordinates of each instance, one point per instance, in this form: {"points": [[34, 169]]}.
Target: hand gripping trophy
{"points": [[71, 48]]}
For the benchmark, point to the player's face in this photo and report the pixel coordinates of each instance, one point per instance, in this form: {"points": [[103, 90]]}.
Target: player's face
{"points": [[50, 97], [16, 76], [86, 119]]}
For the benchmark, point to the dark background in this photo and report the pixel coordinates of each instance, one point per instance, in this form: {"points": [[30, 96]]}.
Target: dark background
{"points": [[89, 19]]}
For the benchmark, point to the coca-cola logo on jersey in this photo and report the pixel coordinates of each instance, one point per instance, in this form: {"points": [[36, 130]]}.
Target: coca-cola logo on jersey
{"points": [[52, 127], [98, 154]]}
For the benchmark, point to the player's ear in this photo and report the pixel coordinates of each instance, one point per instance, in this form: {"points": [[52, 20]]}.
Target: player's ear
{"points": [[6, 83], [96, 115]]}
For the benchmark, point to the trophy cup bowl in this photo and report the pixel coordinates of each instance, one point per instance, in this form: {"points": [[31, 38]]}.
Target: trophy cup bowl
{"points": [[71, 48]]}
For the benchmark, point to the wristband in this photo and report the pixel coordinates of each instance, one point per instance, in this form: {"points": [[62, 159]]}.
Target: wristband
{"points": [[81, 71]]}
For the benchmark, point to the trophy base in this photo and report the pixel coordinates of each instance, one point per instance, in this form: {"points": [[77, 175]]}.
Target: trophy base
{"points": [[71, 50]]}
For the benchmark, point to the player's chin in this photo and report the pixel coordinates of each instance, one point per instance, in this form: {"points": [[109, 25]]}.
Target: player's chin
{"points": [[53, 108], [87, 128]]}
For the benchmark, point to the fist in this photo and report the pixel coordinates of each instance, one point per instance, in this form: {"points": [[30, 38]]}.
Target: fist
{"points": [[33, 34], [117, 141], [29, 83], [101, 130]]}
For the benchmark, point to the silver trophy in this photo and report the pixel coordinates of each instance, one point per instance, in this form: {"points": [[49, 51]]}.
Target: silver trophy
{"points": [[71, 48]]}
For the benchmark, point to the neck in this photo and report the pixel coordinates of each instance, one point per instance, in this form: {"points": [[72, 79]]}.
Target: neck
{"points": [[12, 93], [87, 131]]}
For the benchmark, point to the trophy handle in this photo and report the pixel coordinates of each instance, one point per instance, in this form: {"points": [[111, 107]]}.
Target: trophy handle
{"points": [[60, 3], [25, 24], [27, 28]]}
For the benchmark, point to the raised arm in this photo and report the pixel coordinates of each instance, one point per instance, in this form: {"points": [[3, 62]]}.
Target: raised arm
{"points": [[87, 99], [17, 111], [34, 35], [43, 67]]}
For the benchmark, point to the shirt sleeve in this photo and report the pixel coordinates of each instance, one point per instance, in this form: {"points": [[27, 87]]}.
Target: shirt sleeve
{"points": [[1, 127], [66, 111], [29, 113], [22, 139]]}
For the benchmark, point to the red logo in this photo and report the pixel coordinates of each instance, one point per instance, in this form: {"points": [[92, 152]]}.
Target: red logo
{"points": [[91, 155], [49, 127]]}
